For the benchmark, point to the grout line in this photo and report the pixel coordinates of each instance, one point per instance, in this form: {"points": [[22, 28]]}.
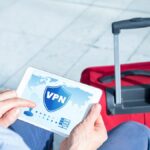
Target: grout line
{"points": [[98, 38], [136, 49], [79, 58], [87, 4], [123, 11], [49, 42], [104, 6], [107, 28]]}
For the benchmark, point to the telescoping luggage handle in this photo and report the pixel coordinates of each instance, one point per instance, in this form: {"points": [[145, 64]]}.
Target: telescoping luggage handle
{"points": [[116, 28]]}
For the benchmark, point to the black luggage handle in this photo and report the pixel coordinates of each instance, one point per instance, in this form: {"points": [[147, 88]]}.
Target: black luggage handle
{"points": [[116, 27], [110, 78], [130, 24]]}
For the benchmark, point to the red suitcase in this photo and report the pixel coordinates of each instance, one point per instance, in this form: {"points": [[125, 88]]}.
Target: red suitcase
{"points": [[131, 100]]}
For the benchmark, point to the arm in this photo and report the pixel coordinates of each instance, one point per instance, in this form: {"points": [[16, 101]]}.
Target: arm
{"points": [[9, 112]]}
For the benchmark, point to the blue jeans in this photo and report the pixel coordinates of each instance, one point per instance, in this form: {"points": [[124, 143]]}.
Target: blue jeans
{"points": [[35, 137], [127, 136]]}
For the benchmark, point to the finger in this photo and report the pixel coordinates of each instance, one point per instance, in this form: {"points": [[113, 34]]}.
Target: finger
{"points": [[93, 114], [7, 94], [99, 122], [10, 117], [2, 91], [8, 104], [100, 128]]}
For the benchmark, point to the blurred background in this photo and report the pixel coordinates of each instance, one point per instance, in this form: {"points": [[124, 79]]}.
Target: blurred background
{"points": [[66, 36]]}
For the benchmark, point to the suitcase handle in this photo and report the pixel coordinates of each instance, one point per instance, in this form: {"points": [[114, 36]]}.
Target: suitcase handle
{"points": [[116, 27], [110, 78], [130, 24]]}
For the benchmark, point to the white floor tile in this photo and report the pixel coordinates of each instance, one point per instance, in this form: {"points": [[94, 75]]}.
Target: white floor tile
{"points": [[86, 2], [114, 4], [57, 58], [95, 57], [144, 48], [140, 5], [139, 58], [129, 39], [90, 25], [16, 50], [38, 17], [6, 4]]}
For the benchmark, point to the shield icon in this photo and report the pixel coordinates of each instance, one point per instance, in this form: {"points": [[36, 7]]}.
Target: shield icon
{"points": [[55, 97]]}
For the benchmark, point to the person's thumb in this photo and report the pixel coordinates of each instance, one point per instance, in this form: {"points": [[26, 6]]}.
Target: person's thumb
{"points": [[10, 117], [93, 114]]}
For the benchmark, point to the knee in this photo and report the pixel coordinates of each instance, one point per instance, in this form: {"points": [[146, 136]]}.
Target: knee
{"points": [[134, 127], [129, 135], [132, 130]]}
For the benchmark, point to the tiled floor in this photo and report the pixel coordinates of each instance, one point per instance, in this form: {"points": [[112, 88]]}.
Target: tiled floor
{"points": [[66, 36]]}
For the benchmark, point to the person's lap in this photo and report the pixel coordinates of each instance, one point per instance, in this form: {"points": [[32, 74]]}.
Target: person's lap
{"points": [[127, 136], [35, 137]]}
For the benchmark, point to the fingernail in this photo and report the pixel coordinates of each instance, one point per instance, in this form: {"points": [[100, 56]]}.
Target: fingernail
{"points": [[34, 105], [31, 103]]}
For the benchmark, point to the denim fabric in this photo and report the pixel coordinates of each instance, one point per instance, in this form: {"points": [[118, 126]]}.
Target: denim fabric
{"points": [[36, 138], [128, 136]]}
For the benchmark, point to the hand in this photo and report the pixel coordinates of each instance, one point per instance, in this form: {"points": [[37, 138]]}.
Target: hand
{"points": [[9, 107], [89, 134]]}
